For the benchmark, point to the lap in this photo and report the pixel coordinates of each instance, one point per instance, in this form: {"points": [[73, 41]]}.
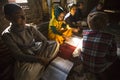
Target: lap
{"points": [[28, 71]]}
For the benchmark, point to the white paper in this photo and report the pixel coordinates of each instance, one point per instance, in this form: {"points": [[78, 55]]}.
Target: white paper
{"points": [[58, 69]]}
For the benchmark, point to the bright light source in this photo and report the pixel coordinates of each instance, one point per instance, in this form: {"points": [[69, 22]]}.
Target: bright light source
{"points": [[77, 42]]}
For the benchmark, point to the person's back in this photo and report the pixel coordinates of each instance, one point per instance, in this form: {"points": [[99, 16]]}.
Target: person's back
{"points": [[99, 47]]}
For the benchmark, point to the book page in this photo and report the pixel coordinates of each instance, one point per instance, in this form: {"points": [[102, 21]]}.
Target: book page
{"points": [[58, 69], [76, 42], [62, 64], [53, 73]]}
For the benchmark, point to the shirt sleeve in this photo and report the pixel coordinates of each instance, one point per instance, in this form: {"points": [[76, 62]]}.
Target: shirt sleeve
{"points": [[38, 35], [16, 53]]}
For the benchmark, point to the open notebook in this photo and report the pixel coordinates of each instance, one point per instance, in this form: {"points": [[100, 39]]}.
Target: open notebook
{"points": [[58, 69]]}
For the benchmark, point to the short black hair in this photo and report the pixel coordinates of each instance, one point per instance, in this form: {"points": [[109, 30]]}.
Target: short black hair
{"points": [[97, 20], [71, 6], [11, 8], [100, 3], [78, 3]]}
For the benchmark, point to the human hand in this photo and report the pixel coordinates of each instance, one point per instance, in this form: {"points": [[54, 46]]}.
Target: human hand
{"points": [[45, 61], [66, 38], [75, 30]]}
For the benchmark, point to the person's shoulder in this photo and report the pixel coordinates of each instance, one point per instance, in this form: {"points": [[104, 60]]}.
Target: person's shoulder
{"points": [[6, 31], [52, 22], [30, 27], [67, 16]]}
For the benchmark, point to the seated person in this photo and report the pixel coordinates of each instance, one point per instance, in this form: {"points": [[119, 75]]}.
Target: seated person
{"points": [[99, 48], [98, 8], [79, 14], [58, 30], [71, 20], [30, 49]]}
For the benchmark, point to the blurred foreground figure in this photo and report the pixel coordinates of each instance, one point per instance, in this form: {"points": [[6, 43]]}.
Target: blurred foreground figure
{"points": [[30, 49]]}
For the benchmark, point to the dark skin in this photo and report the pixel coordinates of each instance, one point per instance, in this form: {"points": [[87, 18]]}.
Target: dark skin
{"points": [[99, 7], [18, 20]]}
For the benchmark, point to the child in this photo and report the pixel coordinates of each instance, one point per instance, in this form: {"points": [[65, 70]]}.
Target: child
{"points": [[71, 20], [58, 30], [99, 47], [98, 8], [98, 51], [79, 13], [28, 46]]}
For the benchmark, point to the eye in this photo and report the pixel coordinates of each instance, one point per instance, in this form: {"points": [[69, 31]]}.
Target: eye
{"points": [[20, 16]]}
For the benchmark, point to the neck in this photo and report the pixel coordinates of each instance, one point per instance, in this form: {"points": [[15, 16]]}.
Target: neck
{"points": [[18, 26]]}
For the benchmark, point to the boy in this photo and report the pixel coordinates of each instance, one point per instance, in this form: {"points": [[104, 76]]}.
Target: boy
{"points": [[98, 8], [28, 46], [58, 29], [79, 14], [99, 48], [70, 18]]}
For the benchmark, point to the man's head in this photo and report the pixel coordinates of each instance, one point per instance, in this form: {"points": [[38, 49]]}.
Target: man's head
{"points": [[97, 20], [99, 7], [80, 5], [14, 14]]}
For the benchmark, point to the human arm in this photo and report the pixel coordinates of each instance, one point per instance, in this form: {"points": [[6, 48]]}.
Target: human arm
{"points": [[38, 35], [16, 52], [71, 23]]}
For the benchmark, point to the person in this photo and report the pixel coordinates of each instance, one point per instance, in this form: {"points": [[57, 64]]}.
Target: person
{"points": [[58, 29], [52, 9], [79, 14], [99, 48], [98, 8], [29, 48], [70, 18]]}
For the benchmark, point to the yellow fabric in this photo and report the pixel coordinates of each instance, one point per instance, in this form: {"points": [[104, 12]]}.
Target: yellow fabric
{"points": [[58, 24], [52, 13]]}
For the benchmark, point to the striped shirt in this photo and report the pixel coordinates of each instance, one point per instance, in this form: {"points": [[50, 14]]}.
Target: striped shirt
{"points": [[99, 50]]}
